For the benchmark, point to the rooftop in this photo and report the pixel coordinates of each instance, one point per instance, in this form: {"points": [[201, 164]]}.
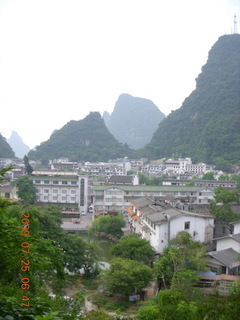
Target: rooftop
{"points": [[227, 258]]}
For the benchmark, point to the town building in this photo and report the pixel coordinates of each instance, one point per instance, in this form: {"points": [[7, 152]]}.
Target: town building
{"points": [[8, 191], [106, 197], [159, 223], [228, 184], [69, 190], [131, 180]]}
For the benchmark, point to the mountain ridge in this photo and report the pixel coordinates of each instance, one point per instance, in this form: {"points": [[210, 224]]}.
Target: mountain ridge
{"points": [[83, 140], [207, 125], [18, 146], [133, 120]]}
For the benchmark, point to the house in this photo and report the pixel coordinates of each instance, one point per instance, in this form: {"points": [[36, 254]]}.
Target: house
{"points": [[224, 262], [229, 241], [159, 223], [8, 191]]}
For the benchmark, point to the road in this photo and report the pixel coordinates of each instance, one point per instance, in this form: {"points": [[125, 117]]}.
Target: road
{"points": [[85, 223]]}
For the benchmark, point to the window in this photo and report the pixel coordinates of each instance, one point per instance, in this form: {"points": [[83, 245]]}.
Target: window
{"points": [[46, 198], [37, 181], [73, 198], [64, 182], [73, 182], [82, 192], [55, 191], [55, 182], [55, 198], [7, 194], [64, 191], [64, 198], [46, 191], [73, 191], [187, 225], [46, 181]]}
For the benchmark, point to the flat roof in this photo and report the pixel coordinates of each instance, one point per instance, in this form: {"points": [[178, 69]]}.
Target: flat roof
{"points": [[152, 188], [54, 173]]}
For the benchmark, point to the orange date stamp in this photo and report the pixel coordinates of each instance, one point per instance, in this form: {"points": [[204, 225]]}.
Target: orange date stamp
{"points": [[25, 262]]}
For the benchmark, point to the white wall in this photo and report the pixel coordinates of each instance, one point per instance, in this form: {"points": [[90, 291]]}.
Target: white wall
{"points": [[200, 229], [226, 243], [237, 227]]}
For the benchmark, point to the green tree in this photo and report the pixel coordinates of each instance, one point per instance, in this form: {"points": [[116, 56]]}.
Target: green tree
{"points": [[236, 177], [133, 247], [26, 189], [28, 167], [127, 277], [168, 265], [111, 225], [23, 239], [184, 253], [221, 207], [208, 176]]}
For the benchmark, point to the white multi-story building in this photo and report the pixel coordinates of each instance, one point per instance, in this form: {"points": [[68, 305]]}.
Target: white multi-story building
{"points": [[151, 169], [104, 169], [106, 197], [159, 223], [67, 189], [182, 166]]}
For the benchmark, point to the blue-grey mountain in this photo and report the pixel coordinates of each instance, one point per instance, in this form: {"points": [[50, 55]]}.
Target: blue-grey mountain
{"points": [[17, 144], [134, 120]]}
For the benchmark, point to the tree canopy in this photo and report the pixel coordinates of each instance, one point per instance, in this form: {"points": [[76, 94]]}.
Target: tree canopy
{"points": [[134, 248], [110, 225], [127, 277]]}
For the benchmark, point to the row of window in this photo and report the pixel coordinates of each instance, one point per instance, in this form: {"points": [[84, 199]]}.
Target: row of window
{"points": [[114, 200], [56, 182], [56, 198], [57, 191], [156, 193]]}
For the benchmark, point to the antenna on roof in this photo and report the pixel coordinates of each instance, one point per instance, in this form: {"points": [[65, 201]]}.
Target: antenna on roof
{"points": [[235, 24]]}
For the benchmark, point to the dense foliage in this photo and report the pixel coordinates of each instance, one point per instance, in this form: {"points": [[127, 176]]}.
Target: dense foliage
{"points": [[26, 189], [179, 298], [127, 277], [5, 149], [110, 225], [134, 248], [35, 253], [86, 139], [171, 304], [221, 207], [206, 127]]}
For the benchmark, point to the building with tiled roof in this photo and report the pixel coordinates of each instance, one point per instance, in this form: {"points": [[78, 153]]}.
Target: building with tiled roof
{"points": [[159, 222]]}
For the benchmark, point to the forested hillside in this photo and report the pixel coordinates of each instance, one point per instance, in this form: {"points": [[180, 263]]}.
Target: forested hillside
{"points": [[5, 149], [207, 126], [87, 140]]}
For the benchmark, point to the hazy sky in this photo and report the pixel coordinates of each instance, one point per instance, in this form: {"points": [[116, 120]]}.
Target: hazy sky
{"points": [[61, 59]]}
